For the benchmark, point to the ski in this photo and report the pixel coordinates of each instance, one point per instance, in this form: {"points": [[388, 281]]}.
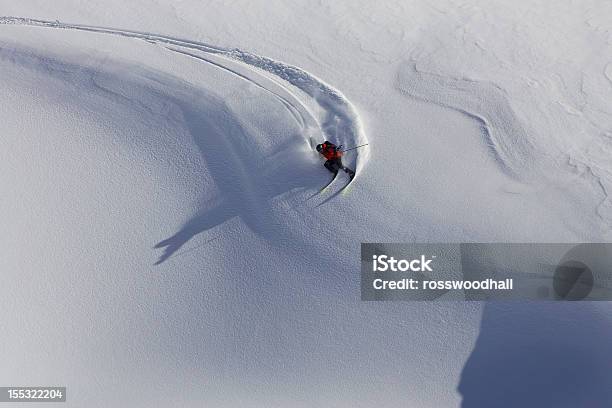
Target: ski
{"points": [[337, 193], [344, 189], [329, 183], [324, 187]]}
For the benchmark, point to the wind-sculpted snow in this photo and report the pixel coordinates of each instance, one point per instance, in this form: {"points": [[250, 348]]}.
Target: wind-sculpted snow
{"points": [[608, 72], [340, 123], [484, 102], [521, 151]]}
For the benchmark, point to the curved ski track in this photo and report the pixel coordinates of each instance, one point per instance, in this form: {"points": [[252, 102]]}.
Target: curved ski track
{"points": [[340, 123]]}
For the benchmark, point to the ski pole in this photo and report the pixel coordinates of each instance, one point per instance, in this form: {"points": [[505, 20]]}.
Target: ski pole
{"points": [[356, 147]]}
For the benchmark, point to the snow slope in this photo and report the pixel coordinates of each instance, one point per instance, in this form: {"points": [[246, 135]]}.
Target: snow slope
{"points": [[159, 237]]}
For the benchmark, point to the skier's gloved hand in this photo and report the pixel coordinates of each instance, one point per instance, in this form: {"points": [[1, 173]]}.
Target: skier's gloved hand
{"points": [[338, 148]]}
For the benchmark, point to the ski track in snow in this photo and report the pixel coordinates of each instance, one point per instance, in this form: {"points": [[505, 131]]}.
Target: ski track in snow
{"points": [[481, 101], [290, 107], [336, 120], [341, 122]]}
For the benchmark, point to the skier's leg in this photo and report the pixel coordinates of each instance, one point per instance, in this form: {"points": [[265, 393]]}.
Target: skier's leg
{"points": [[329, 165], [346, 169]]}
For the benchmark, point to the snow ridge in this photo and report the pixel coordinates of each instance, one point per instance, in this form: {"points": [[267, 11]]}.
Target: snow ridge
{"points": [[341, 122], [482, 101]]}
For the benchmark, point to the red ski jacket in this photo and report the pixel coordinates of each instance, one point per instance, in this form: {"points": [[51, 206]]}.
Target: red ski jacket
{"points": [[329, 152]]}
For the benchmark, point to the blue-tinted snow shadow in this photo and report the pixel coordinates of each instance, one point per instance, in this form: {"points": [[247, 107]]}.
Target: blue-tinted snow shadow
{"points": [[246, 178], [247, 175], [540, 355]]}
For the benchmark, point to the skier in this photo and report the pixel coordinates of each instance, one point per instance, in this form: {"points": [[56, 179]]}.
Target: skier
{"points": [[333, 154]]}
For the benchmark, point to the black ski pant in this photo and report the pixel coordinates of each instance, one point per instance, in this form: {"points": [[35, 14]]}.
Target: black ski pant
{"points": [[334, 165]]}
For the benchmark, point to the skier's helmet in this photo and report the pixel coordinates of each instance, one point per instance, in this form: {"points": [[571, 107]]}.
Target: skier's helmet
{"points": [[319, 147]]}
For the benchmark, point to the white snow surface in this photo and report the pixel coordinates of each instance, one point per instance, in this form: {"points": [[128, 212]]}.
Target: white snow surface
{"points": [[161, 242]]}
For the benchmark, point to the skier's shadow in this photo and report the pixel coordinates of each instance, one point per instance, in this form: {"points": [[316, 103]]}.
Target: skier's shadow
{"points": [[246, 175], [547, 354]]}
